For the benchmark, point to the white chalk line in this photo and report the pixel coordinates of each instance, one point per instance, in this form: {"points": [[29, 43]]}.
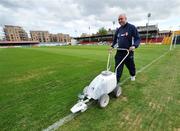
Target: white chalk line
{"points": [[71, 116], [143, 68], [64, 120]]}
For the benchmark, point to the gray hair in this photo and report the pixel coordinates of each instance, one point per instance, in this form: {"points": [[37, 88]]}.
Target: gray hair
{"points": [[123, 14]]}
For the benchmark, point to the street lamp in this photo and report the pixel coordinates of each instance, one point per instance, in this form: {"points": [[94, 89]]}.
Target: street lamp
{"points": [[148, 16]]}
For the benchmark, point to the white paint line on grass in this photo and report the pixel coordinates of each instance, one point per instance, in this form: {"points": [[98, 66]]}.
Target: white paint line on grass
{"points": [[62, 121], [146, 66], [71, 116]]}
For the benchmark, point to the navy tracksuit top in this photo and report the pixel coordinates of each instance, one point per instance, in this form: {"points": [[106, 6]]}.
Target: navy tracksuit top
{"points": [[126, 36]]}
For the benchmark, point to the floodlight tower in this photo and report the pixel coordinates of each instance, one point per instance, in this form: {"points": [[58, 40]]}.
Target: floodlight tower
{"points": [[113, 33], [89, 33], [76, 33], [148, 17], [113, 24]]}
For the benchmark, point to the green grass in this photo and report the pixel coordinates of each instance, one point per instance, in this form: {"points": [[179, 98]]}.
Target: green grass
{"points": [[39, 85]]}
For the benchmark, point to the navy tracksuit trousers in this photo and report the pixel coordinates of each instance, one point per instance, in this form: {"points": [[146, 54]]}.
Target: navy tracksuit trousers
{"points": [[129, 62]]}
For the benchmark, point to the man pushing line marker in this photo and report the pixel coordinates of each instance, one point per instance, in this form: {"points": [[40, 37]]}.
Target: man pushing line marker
{"points": [[126, 36]]}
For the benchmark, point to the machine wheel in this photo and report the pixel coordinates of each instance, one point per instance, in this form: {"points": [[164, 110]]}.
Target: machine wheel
{"points": [[103, 100], [117, 91]]}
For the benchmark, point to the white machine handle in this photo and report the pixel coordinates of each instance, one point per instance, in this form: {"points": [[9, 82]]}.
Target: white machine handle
{"points": [[109, 57], [122, 59], [108, 62]]}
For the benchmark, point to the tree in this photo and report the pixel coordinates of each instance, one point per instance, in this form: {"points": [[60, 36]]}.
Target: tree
{"points": [[102, 31]]}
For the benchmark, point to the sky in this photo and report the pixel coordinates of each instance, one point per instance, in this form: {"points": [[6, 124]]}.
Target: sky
{"points": [[74, 17]]}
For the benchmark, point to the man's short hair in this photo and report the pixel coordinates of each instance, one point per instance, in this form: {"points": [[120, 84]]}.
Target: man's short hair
{"points": [[123, 14]]}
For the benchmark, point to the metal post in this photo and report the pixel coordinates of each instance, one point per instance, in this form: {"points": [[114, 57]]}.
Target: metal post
{"points": [[172, 41], [175, 41]]}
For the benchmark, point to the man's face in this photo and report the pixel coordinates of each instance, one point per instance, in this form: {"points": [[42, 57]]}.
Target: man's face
{"points": [[122, 20]]}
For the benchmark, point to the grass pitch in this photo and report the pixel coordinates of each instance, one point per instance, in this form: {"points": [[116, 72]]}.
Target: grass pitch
{"points": [[39, 85]]}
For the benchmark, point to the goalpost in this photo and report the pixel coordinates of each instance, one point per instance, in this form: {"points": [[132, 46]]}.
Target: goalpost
{"points": [[170, 48], [175, 41]]}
